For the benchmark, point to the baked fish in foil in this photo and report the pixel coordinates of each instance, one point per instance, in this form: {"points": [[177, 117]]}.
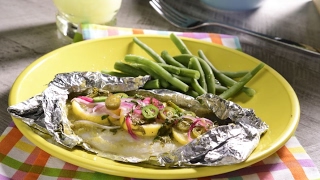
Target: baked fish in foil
{"points": [[49, 114]]}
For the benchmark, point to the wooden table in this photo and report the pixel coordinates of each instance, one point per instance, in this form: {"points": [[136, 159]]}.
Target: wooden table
{"points": [[28, 31]]}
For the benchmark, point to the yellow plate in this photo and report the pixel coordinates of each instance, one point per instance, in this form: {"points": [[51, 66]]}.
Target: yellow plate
{"points": [[275, 101]]}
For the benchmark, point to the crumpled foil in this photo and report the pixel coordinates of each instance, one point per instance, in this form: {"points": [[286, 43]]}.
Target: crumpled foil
{"points": [[222, 145]]}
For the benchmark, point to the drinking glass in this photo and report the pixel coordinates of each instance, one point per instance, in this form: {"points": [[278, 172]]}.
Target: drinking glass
{"points": [[71, 13]]}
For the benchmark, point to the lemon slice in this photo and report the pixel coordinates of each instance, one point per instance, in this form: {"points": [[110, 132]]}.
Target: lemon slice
{"points": [[150, 130], [181, 137], [100, 118]]}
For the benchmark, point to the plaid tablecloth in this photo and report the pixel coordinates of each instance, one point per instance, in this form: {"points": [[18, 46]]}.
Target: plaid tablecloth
{"points": [[20, 159]]}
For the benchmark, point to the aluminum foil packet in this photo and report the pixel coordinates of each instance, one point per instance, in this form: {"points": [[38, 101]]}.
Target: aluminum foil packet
{"points": [[47, 113]]}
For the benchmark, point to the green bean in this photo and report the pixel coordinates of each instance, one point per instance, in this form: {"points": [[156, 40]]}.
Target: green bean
{"points": [[128, 69], [195, 64], [209, 76], [249, 91], [206, 74], [115, 73], [164, 83], [235, 74], [220, 88], [170, 60], [152, 84], [240, 84], [221, 77], [191, 73], [183, 59], [174, 88], [192, 93], [184, 79], [170, 68], [179, 44], [158, 70], [225, 79], [149, 50], [196, 86]]}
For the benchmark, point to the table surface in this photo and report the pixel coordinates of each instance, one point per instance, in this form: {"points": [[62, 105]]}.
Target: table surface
{"points": [[28, 31]]}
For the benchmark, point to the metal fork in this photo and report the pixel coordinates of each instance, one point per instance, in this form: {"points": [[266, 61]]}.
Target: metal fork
{"points": [[184, 21]]}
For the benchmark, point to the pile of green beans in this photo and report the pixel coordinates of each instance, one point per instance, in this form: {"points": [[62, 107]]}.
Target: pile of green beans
{"points": [[187, 73]]}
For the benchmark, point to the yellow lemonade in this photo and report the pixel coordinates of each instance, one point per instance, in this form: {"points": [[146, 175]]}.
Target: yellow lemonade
{"points": [[88, 11]]}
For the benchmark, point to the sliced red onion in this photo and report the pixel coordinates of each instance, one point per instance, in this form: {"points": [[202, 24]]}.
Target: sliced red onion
{"points": [[127, 105], [191, 128], [81, 101], [137, 111], [86, 98], [128, 124], [98, 107], [157, 103], [202, 121], [147, 100], [189, 117], [204, 124]]}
